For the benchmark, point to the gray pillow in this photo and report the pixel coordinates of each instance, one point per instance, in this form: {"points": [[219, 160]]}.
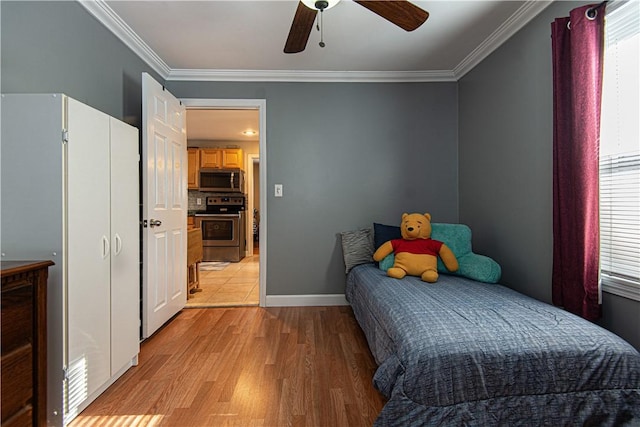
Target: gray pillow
{"points": [[357, 247]]}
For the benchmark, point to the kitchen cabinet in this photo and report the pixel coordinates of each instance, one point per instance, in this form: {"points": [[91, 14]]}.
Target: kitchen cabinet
{"points": [[193, 166], [227, 158], [232, 158], [210, 158], [24, 343], [78, 204]]}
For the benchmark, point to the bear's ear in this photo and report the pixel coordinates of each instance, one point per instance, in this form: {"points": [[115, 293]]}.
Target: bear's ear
{"points": [[404, 215], [428, 215]]}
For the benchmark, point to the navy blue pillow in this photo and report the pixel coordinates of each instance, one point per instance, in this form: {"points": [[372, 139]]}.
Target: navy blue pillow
{"points": [[383, 233]]}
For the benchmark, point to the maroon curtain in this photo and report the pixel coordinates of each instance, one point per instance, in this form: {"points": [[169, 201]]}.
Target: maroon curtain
{"points": [[577, 43]]}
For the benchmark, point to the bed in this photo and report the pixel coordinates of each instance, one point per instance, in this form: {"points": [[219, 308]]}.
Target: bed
{"points": [[463, 352]]}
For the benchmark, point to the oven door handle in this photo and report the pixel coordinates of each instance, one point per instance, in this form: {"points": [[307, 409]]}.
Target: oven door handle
{"points": [[205, 216]]}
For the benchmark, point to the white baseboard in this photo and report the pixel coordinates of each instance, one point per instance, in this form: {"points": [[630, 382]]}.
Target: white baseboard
{"points": [[305, 300]]}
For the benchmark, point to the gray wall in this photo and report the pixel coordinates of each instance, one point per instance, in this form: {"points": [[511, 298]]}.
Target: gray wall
{"points": [[58, 47], [505, 143], [347, 155]]}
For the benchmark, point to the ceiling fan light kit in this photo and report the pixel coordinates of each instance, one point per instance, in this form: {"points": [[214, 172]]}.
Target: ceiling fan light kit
{"points": [[399, 12], [320, 4]]}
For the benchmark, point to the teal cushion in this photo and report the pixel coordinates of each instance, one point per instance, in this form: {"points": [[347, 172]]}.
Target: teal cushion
{"points": [[387, 262], [458, 238]]}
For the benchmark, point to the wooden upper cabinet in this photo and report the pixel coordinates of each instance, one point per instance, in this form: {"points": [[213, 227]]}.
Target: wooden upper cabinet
{"points": [[210, 158], [221, 158], [193, 155], [232, 158]]}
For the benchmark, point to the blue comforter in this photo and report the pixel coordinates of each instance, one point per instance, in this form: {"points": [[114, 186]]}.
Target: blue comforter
{"points": [[461, 352]]}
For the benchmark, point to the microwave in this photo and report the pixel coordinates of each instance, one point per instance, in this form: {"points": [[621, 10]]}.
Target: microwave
{"points": [[221, 180]]}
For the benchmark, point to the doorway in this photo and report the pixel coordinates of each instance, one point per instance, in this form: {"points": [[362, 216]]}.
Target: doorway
{"points": [[256, 180]]}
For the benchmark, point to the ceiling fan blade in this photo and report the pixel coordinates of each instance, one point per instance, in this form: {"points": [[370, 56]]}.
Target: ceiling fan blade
{"points": [[400, 12], [300, 29]]}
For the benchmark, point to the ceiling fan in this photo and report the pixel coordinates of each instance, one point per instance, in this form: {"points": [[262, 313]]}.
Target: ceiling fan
{"points": [[399, 12]]}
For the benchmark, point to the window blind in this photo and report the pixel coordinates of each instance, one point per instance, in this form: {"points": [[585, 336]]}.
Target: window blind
{"points": [[622, 20], [620, 218], [620, 154]]}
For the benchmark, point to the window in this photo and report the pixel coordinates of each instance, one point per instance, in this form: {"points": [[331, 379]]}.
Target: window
{"points": [[620, 153]]}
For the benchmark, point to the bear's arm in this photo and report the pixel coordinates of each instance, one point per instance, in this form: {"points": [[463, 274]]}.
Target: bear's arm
{"points": [[385, 249], [448, 258]]}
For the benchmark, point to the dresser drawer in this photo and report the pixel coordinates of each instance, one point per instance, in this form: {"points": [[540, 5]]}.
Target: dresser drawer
{"points": [[20, 419], [17, 315], [24, 343], [17, 380]]}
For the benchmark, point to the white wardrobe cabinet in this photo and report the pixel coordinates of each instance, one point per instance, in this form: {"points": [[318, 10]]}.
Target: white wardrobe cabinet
{"points": [[70, 193]]}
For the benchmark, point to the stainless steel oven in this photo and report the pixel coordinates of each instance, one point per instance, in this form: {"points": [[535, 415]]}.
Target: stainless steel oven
{"points": [[223, 228]]}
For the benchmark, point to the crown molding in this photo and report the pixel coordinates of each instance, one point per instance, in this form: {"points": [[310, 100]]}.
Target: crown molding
{"points": [[311, 76], [105, 15], [529, 10]]}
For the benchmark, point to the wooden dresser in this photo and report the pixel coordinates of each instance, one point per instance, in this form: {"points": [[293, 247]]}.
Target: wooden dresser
{"points": [[24, 343]]}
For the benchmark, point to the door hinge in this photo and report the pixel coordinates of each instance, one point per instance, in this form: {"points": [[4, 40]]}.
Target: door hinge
{"points": [[65, 136], [144, 223]]}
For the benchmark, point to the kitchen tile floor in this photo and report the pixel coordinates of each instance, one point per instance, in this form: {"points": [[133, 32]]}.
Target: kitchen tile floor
{"points": [[236, 285]]}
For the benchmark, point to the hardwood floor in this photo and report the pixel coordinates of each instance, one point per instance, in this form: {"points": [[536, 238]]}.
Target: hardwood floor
{"points": [[247, 366]]}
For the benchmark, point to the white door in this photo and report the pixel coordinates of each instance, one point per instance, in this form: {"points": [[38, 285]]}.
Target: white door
{"points": [[164, 187]]}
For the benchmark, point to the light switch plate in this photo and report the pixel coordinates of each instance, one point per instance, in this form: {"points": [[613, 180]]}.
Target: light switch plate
{"points": [[278, 190]]}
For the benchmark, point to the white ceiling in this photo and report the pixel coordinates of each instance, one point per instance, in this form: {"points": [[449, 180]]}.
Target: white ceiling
{"points": [[222, 125], [242, 40]]}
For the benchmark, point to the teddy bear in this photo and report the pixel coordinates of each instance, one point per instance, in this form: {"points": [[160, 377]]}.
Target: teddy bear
{"points": [[416, 253]]}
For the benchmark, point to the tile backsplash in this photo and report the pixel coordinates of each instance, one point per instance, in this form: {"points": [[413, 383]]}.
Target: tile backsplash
{"points": [[194, 195]]}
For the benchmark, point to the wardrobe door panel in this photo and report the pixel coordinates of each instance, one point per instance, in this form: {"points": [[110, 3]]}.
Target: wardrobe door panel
{"points": [[88, 247], [125, 246]]}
